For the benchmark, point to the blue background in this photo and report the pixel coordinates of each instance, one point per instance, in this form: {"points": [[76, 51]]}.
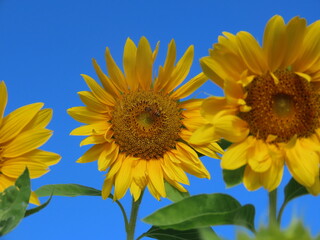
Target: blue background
{"points": [[46, 45]]}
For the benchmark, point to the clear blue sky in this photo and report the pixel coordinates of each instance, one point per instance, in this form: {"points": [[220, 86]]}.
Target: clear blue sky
{"points": [[45, 46]]}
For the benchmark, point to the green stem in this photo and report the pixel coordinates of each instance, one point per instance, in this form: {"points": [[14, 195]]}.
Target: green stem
{"points": [[133, 217], [125, 218], [273, 208], [280, 213]]}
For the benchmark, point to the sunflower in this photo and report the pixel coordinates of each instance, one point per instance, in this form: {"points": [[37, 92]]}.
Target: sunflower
{"points": [[21, 133], [271, 108], [139, 128]]}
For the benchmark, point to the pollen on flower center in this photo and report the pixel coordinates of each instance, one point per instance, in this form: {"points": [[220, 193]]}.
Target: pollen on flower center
{"points": [[282, 105], [147, 119], [146, 124], [285, 108]]}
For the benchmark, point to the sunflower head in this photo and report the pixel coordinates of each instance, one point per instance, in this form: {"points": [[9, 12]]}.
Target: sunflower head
{"points": [[22, 132], [271, 106], [138, 125]]}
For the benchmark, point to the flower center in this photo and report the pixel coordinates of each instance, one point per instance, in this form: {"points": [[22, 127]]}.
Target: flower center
{"points": [[282, 105], [284, 109], [146, 124]]}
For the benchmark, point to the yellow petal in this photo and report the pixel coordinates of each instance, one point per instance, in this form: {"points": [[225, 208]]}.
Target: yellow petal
{"points": [[213, 70], [315, 188], [144, 64], [192, 122], [41, 119], [108, 85], [203, 135], [227, 64], [193, 115], [93, 139], [310, 49], [272, 178], [92, 129], [6, 182], [116, 76], [188, 151], [231, 127], [107, 186], [123, 178], [167, 170], [98, 91], [164, 72], [191, 104], [198, 171], [155, 52], [233, 91], [108, 156], [152, 189], [135, 191], [15, 167], [316, 77], [92, 154], [209, 150], [181, 70], [13, 123], [258, 157], [252, 53], [84, 115], [251, 179], [3, 99], [37, 155], [172, 170], [304, 171], [211, 106], [274, 44], [191, 86], [129, 64], [34, 199], [175, 184], [295, 33], [155, 175], [228, 43], [92, 102], [304, 75], [191, 166], [139, 173], [116, 165], [236, 155], [26, 142]]}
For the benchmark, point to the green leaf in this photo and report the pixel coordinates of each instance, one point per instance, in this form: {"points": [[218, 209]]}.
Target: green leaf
{"points": [[207, 233], [37, 209], [233, 177], [292, 190], [171, 234], [174, 194], [203, 211], [224, 144], [13, 203], [67, 190]]}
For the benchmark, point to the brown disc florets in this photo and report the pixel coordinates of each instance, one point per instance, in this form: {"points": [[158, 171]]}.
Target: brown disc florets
{"points": [[146, 124], [284, 106]]}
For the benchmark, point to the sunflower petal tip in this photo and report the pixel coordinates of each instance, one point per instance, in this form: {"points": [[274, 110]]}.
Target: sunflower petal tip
{"points": [[38, 104]]}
